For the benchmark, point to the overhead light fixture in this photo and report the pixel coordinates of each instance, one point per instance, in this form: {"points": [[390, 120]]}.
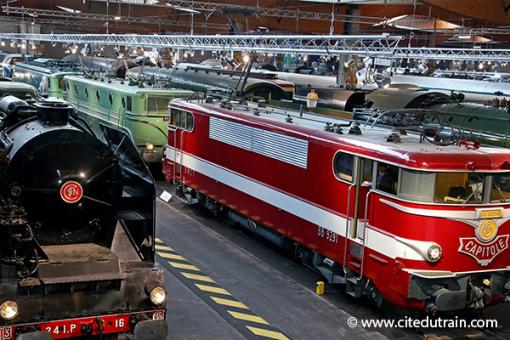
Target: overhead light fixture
{"points": [[185, 9], [69, 10], [117, 18]]}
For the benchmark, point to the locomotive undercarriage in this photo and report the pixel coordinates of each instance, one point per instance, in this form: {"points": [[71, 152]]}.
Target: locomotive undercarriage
{"points": [[333, 272], [473, 290], [469, 291]]}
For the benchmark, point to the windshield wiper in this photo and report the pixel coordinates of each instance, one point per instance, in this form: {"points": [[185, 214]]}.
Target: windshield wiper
{"points": [[478, 190], [501, 194]]}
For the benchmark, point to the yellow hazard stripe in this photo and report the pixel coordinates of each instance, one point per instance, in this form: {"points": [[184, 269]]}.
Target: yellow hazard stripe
{"points": [[183, 266], [212, 289], [197, 277], [230, 303], [165, 248], [159, 240], [267, 334], [171, 256], [248, 317]]}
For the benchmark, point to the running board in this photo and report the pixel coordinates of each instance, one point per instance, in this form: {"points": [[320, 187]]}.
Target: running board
{"points": [[330, 276]]}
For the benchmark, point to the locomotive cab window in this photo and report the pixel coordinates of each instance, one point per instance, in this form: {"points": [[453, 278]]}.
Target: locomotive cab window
{"points": [[416, 185], [129, 103], [459, 187], [190, 121], [157, 104], [343, 166], [181, 119], [387, 178], [500, 191], [367, 171]]}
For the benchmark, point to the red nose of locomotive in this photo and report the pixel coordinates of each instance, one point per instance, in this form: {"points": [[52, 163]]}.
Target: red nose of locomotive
{"points": [[461, 259]]}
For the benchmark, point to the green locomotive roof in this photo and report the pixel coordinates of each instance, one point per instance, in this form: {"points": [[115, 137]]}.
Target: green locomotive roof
{"points": [[124, 87], [49, 66], [476, 117]]}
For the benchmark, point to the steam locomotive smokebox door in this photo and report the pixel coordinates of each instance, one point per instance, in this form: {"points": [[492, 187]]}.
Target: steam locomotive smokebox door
{"points": [[83, 262]]}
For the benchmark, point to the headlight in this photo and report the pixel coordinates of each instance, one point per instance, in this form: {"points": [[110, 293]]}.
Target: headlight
{"points": [[434, 253], [158, 295], [9, 310], [149, 146]]}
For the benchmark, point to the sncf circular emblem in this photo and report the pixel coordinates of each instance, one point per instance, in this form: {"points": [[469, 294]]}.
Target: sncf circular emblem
{"points": [[71, 192], [487, 231]]}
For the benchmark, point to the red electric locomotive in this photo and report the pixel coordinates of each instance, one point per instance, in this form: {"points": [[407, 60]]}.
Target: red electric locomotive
{"points": [[392, 213]]}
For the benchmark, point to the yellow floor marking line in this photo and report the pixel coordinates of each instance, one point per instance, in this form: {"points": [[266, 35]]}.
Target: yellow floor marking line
{"points": [[164, 248], [171, 256], [267, 334], [183, 266], [212, 289], [197, 277], [164, 251], [248, 317], [230, 303]]}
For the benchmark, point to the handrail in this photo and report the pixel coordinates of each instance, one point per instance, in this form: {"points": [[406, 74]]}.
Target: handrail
{"points": [[365, 225], [347, 224]]}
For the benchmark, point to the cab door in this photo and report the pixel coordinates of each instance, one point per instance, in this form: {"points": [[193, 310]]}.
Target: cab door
{"points": [[174, 150], [359, 197]]}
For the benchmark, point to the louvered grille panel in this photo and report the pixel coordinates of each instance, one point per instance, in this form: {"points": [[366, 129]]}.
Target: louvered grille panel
{"points": [[278, 146]]}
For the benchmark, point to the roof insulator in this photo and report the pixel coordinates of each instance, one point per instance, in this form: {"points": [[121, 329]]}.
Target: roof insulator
{"points": [[394, 137], [355, 129]]}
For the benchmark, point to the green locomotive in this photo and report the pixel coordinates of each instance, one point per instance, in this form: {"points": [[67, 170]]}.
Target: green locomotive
{"points": [[141, 111], [485, 123], [47, 75]]}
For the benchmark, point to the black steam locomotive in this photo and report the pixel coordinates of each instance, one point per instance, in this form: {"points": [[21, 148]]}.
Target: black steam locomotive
{"points": [[76, 229]]}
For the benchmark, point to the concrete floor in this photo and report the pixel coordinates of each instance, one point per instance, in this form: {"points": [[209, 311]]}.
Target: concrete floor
{"points": [[276, 293]]}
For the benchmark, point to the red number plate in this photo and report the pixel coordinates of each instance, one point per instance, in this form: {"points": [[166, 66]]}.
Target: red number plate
{"points": [[5, 333], [72, 328], [61, 329]]}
